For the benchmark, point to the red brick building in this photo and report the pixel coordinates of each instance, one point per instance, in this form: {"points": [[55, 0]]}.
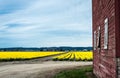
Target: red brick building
{"points": [[106, 38]]}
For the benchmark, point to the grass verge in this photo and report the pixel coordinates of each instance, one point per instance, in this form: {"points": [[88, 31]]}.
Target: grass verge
{"points": [[82, 72]]}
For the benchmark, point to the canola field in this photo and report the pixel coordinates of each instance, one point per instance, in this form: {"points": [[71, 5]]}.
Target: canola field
{"points": [[25, 55], [75, 56], [61, 56]]}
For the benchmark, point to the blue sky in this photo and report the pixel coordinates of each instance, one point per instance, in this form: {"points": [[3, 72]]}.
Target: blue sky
{"points": [[45, 23]]}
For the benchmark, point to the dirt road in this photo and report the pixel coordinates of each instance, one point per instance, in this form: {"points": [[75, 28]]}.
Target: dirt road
{"points": [[42, 70]]}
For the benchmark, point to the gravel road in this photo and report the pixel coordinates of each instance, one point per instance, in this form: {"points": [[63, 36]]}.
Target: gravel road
{"points": [[42, 70]]}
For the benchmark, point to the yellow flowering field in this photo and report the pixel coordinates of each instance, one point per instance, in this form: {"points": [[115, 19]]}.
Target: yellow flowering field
{"points": [[72, 56], [75, 56], [25, 55]]}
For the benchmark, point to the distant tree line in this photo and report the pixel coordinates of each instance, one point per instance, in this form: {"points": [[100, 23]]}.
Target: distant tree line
{"points": [[48, 49]]}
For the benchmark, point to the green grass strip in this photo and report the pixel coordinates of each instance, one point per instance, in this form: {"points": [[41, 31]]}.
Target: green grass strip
{"points": [[75, 73]]}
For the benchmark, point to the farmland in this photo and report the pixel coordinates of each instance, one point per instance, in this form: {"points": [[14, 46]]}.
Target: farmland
{"points": [[75, 56], [37, 66], [61, 56], [24, 55]]}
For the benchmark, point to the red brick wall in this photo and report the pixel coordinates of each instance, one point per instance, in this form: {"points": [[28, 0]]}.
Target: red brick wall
{"points": [[105, 60], [117, 20], [117, 28]]}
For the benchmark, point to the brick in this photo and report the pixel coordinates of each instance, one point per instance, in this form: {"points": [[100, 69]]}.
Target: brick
{"points": [[105, 60]]}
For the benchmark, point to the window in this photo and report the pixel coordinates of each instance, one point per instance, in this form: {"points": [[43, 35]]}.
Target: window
{"points": [[94, 40], [106, 34], [98, 38]]}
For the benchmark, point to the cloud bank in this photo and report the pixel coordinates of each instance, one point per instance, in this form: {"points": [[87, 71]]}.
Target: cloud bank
{"points": [[45, 23]]}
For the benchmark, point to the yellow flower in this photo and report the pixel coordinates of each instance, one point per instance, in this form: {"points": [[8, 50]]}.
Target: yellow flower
{"points": [[23, 55], [75, 56]]}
